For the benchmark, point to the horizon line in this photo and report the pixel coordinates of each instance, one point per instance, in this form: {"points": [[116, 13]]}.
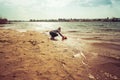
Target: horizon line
{"points": [[61, 18]]}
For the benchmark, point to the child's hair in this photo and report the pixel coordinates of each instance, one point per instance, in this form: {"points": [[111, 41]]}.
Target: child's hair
{"points": [[59, 28]]}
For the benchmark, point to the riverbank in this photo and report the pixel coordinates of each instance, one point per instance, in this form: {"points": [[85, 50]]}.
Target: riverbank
{"points": [[33, 56]]}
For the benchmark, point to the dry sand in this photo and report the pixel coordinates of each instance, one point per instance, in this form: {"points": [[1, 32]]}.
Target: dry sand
{"points": [[32, 56]]}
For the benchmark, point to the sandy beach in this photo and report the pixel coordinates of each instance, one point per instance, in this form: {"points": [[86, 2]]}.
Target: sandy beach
{"points": [[59, 39], [33, 56]]}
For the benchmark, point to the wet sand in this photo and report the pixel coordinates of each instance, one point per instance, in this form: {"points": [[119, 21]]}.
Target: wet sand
{"points": [[33, 56], [103, 57]]}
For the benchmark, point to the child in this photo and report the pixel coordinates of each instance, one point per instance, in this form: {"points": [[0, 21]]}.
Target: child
{"points": [[54, 33]]}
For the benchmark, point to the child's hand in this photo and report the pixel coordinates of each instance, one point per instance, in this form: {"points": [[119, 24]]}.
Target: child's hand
{"points": [[64, 37]]}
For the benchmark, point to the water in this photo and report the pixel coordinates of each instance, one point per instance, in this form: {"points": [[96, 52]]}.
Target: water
{"points": [[108, 32], [99, 42]]}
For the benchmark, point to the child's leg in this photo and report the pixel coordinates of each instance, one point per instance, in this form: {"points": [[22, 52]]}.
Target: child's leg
{"points": [[53, 35]]}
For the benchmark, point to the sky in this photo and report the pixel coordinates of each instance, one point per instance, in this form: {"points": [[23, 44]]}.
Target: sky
{"points": [[54, 9]]}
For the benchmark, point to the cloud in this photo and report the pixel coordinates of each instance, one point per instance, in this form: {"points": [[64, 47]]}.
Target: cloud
{"points": [[40, 3], [56, 3], [94, 3], [58, 8], [115, 2], [116, 5]]}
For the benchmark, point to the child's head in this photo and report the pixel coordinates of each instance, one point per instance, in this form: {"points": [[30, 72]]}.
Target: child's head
{"points": [[59, 28]]}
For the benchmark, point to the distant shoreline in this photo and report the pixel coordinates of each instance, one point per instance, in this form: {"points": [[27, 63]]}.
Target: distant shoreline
{"points": [[64, 21], [70, 20]]}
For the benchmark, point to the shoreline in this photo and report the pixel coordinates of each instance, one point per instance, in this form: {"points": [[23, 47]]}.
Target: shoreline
{"points": [[32, 56]]}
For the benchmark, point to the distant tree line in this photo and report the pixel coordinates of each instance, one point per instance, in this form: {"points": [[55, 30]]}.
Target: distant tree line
{"points": [[78, 20], [3, 21]]}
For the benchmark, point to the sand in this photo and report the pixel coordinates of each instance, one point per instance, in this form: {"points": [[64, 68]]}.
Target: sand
{"points": [[33, 56]]}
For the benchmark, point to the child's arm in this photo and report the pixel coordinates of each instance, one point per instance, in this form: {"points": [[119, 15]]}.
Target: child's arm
{"points": [[60, 34]]}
